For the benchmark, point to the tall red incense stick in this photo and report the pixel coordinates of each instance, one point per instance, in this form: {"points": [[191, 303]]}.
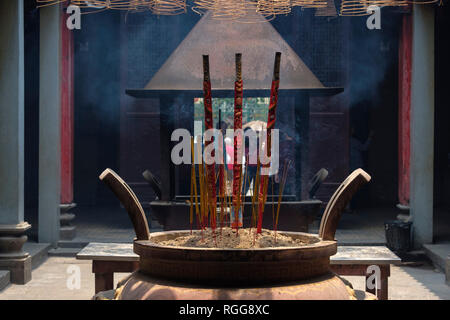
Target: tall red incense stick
{"points": [[210, 168], [270, 125], [221, 173], [237, 167]]}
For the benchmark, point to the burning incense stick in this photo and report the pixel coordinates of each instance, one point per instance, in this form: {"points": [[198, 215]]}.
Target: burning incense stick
{"points": [[281, 188], [255, 193], [273, 205], [194, 182], [270, 125], [222, 181], [287, 163], [201, 181], [210, 169], [191, 202], [244, 186], [237, 168]]}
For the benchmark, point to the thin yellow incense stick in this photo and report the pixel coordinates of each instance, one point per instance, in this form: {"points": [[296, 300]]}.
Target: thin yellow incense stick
{"points": [[197, 211], [283, 183], [255, 193], [206, 194], [244, 193], [191, 208], [202, 191], [273, 205]]}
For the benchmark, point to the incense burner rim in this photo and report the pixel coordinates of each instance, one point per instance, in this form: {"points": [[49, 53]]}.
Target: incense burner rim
{"points": [[151, 244], [234, 266]]}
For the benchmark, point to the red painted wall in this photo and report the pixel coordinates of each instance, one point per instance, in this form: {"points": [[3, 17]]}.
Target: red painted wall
{"points": [[404, 109], [67, 105]]}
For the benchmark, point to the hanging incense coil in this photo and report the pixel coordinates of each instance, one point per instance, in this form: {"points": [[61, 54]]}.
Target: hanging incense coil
{"points": [[328, 11], [360, 8], [253, 15], [310, 3], [355, 7], [142, 5], [122, 4], [46, 3], [228, 9], [425, 2], [100, 5], [168, 7], [275, 7], [201, 6], [90, 6], [389, 3]]}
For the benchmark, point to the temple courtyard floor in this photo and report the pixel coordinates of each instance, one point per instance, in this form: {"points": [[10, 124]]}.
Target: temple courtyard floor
{"points": [[52, 281], [416, 278]]}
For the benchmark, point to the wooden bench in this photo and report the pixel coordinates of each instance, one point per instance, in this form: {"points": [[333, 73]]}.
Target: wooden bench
{"points": [[108, 258], [354, 261]]}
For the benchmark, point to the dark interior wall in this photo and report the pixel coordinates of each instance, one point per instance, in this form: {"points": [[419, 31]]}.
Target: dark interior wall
{"points": [[325, 42], [442, 112], [115, 52], [374, 103], [149, 42], [31, 18], [97, 84]]}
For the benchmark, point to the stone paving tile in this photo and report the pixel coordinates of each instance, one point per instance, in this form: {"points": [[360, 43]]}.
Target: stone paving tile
{"points": [[412, 283], [49, 282]]}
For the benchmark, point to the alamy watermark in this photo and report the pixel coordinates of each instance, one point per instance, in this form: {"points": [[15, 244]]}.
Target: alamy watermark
{"points": [[373, 278], [74, 19], [215, 143], [374, 20], [73, 281]]}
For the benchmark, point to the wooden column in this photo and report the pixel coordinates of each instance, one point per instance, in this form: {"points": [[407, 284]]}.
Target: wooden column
{"points": [[404, 109], [67, 230]]}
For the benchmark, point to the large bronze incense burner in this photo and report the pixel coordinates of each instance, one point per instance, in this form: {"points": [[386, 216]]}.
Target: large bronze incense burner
{"points": [[234, 267], [170, 272]]}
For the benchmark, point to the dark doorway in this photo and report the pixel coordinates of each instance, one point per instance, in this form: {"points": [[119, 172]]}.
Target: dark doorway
{"points": [[97, 85], [373, 92], [31, 184], [442, 129]]}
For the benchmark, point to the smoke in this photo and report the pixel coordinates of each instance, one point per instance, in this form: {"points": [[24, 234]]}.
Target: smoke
{"points": [[97, 61], [372, 54]]}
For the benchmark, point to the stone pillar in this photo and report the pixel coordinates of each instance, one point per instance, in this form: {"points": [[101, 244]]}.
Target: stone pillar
{"points": [[67, 229], [422, 124], [12, 224], [49, 124]]}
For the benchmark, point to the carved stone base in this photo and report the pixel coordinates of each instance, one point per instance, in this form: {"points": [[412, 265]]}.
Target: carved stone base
{"points": [[404, 215], [20, 269], [67, 230], [12, 257]]}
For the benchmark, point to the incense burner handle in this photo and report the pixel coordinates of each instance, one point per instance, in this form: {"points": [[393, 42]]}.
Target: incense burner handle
{"points": [[339, 201], [129, 200]]}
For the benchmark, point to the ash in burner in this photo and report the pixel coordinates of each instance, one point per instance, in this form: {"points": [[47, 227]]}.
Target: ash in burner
{"points": [[227, 238]]}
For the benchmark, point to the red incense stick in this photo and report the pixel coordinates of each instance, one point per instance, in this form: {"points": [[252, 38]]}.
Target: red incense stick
{"points": [[210, 168], [271, 118], [237, 168]]}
